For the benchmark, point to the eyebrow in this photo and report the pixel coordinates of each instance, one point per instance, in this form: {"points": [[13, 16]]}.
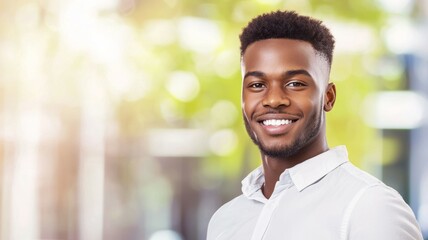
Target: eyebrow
{"points": [[287, 74], [254, 74]]}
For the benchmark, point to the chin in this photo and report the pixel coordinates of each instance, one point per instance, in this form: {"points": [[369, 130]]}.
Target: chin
{"points": [[279, 151]]}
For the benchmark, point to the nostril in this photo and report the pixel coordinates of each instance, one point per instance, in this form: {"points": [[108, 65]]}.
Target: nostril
{"points": [[276, 101]]}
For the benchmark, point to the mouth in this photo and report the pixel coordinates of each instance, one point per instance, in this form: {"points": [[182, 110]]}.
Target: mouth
{"points": [[277, 122]]}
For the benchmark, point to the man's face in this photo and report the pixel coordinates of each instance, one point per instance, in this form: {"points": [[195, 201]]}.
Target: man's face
{"points": [[283, 94]]}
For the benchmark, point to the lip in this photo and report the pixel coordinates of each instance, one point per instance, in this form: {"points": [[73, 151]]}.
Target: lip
{"points": [[277, 116], [277, 130]]}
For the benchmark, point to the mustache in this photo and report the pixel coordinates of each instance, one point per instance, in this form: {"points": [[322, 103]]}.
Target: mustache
{"points": [[275, 111]]}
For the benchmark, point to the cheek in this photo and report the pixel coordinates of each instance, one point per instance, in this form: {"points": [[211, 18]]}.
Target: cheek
{"points": [[249, 104], [309, 104], [314, 104], [246, 111]]}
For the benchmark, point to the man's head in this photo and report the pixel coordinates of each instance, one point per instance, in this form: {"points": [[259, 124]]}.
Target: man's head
{"points": [[286, 62]]}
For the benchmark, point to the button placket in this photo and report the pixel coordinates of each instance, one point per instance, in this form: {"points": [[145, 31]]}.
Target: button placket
{"points": [[266, 214]]}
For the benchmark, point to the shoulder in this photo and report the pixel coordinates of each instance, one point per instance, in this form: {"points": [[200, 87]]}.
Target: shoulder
{"points": [[237, 214], [226, 212], [227, 208], [379, 212], [358, 176]]}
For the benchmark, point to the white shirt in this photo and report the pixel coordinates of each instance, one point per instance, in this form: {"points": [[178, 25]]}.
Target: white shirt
{"points": [[325, 197]]}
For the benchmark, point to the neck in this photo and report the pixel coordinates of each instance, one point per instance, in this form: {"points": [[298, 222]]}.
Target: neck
{"points": [[273, 167]]}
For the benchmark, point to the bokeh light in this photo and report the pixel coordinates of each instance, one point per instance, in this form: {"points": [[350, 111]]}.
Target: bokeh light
{"points": [[120, 119]]}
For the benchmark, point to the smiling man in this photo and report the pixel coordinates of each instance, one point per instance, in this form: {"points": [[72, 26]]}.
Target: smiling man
{"points": [[303, 189]]}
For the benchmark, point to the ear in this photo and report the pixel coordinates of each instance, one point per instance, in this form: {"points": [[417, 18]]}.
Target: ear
{"points": [[329, 97]]}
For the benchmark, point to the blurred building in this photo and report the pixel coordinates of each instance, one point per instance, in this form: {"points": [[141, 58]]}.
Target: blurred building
{"points": [[120, 119]]}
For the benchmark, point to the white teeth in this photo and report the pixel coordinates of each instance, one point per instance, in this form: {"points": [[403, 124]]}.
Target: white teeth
{"points": [[276, 122]]}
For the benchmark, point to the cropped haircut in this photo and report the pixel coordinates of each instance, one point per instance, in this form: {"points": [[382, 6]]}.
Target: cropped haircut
{"points": [[289, 25]]}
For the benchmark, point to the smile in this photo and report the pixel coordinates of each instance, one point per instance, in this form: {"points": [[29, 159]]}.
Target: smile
{"points": [[277, 122]]}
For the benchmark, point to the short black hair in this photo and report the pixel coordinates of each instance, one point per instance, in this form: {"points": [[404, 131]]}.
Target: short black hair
{"points": [[290, 25]]}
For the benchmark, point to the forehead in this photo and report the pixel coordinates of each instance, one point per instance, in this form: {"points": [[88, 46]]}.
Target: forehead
{"points": [[273, 56], [288, 50]]}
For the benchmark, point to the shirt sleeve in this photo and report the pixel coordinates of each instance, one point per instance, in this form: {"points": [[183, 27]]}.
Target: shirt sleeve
{"points": [[212, 230], [381, 213]]}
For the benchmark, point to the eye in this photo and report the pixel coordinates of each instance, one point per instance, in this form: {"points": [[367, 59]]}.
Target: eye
{"points": [[295, 84], [256, 85]]}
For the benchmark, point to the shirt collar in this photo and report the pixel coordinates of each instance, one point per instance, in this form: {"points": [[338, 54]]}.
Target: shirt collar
{"points": [[253, 182], [313, 169], [303, 174]]}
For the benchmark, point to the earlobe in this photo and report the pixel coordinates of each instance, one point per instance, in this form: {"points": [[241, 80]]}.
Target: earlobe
{"points": [[329, 97]]}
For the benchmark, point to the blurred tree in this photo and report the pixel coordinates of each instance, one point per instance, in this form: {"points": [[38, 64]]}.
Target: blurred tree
{"points": [[218, 70]]}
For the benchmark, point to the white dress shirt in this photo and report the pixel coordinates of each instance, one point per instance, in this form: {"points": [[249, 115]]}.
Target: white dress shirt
{"points": [[325, 197]]}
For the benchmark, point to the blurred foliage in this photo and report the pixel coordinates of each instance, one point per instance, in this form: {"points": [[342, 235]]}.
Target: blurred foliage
{"points": [[345, 124], [140, 65], [150, 59]]}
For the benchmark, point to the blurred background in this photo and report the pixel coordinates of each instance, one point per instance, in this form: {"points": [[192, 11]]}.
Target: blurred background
{"points": [[120, 119]]}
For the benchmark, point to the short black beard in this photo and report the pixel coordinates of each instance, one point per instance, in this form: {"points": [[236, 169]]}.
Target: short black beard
{"points": [[290, 150]]}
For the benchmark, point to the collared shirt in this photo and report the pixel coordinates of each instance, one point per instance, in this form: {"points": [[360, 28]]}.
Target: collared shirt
{"points": [[325, 197]]}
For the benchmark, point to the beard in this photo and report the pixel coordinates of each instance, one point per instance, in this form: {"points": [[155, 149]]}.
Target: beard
{"points": [[286, 151]]}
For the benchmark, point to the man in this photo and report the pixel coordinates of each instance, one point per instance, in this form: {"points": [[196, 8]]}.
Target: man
{"points": [[304, 189]]}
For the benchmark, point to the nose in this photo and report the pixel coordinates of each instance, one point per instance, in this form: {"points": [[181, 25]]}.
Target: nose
{"points": [[275, 97]]}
